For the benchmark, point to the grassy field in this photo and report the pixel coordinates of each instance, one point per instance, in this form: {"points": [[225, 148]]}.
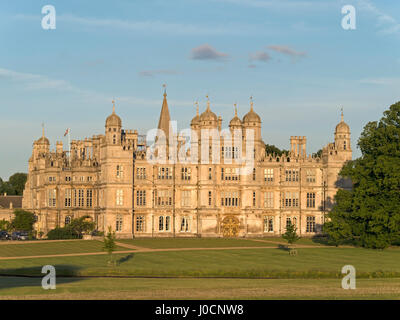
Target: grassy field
{"points": [[193, 243], [114, 288], [262, 273], [49, 248]]}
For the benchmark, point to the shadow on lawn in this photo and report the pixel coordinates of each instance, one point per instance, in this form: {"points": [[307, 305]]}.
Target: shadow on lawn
{"points": [[32, 276], [283, 247], [125, 259]]}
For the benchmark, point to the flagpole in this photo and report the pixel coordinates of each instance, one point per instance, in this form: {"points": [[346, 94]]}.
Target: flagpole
{"points": [[69, 146]]}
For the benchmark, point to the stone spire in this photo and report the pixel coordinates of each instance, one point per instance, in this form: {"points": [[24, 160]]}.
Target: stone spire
{"points": [[341, 117], [164, 122]]}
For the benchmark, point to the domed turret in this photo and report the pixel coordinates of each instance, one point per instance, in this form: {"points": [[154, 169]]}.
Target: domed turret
{"points": [[42, 140], [113, 120], [208, 116], [342, 136], [251, 116], [235, 122], [342, 127]]}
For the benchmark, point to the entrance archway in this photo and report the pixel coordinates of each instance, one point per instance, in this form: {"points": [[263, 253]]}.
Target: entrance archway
{"points": [[230, 227]]}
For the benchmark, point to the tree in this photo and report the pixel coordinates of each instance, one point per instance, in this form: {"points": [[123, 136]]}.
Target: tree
{"points": [[271, 149], [17, 182], [318, 153], [4, 225], [22, 221], [291, 237], [74, 230], [109, 244], [369, 214], [82, 225]]}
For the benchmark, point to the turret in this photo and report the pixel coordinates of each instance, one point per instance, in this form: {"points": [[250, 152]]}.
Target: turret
{"points": [[113, 128]]}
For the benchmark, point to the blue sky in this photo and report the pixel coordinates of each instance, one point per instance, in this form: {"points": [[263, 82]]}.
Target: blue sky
{"points": [[293, 57]]}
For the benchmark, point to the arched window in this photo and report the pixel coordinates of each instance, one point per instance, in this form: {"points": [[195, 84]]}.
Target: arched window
{"points": [[344, 145], [67, 220], [114, 139], [161, 223]]}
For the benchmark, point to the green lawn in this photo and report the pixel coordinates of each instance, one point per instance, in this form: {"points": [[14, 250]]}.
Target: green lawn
{"points": [[166, 243], [309, 263], [114, 288], [48, 248], [315, 273]]}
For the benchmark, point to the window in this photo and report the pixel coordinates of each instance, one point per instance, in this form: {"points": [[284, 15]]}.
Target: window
{"points": [[89, 178], [52, 198], [269, 175], [120, 171], [254, 198], [163, 198], [141, 197], [75, 197], [290, 199], [68, 178], [81, 198], [230, 174], [118, 223], [268, 224], [120, 197], [141, 173], [254, 174], [310, 224], [164, 223], [230, 199], [185, 225], [114, 138], [209, 173], [268, 199], [185, 173], [82, 178], [67, 201], [140, 224], [52, 179], [291, 220], [310, 199], [344, 145], [209, 198], [186, 197], [310, 176], [89, 198], [67, 220], [164, 173], [292, 175]]}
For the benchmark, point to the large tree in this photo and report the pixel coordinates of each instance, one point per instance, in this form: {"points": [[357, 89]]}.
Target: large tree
{"points": [[369, 214], [22, 221], [15, 184], [17, 181]]}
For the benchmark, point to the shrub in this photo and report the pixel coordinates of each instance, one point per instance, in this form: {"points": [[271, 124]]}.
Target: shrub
{"points": [[62, 233]]}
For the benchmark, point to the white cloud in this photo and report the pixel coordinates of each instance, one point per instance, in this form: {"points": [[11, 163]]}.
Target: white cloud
{"points": [[152, 26], [286, 50], [259, 56], [152, 73], [385, 23], [383, 81], [207, 52], [34, 81]]}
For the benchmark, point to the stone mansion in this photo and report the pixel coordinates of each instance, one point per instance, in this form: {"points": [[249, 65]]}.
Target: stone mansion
{"points": [[110, 179]]}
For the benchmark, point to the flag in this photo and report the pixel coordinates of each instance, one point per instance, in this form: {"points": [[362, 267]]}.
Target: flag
{"points": [[66, 132]]}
